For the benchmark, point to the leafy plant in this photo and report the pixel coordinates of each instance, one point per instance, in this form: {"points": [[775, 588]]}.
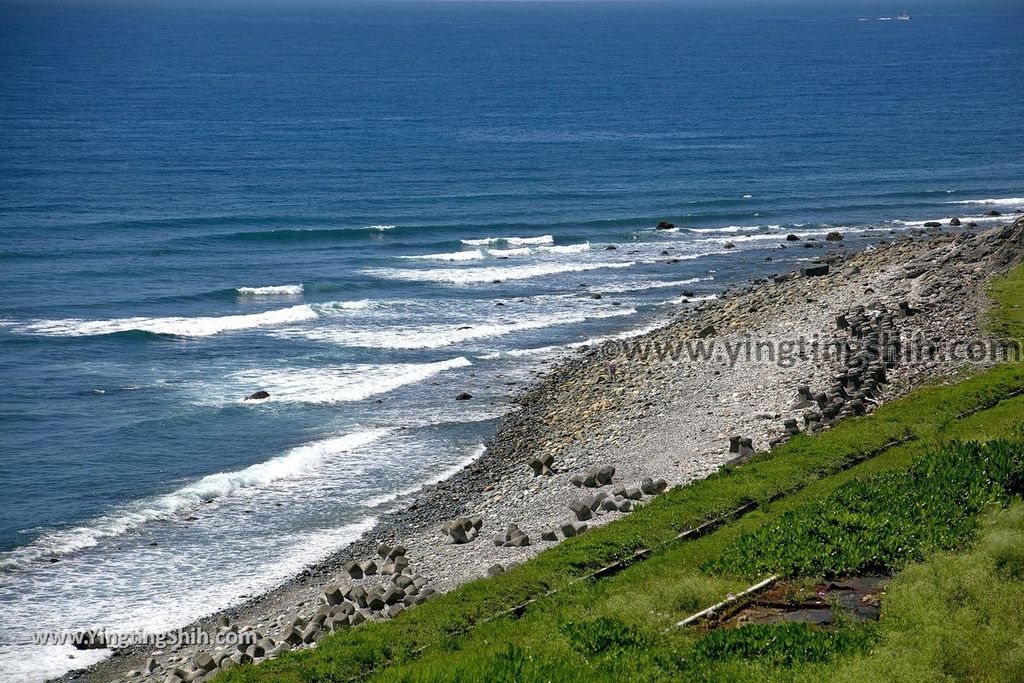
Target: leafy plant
{"points": [[878, 525]]}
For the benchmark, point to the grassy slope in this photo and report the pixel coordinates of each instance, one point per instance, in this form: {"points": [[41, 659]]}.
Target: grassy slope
{"points": [[427, 643]]}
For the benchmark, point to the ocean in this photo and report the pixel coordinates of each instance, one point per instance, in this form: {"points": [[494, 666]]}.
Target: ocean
{"points": [[366, 209]]}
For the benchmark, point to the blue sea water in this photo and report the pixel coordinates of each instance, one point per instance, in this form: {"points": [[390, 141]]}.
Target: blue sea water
{"points": [[328, 202]]}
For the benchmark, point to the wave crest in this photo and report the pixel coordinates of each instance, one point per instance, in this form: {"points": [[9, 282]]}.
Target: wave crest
{"points": [[274, 290], [294, 463]]}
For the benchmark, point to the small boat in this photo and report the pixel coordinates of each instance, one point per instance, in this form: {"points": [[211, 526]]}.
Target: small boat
{"points": [[903, 16]]}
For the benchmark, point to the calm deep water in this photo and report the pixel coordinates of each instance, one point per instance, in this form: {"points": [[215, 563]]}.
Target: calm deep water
{"points": [[327, 203]]}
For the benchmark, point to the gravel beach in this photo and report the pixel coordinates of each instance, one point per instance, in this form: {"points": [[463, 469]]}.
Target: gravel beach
{"points": [[666, 404]]}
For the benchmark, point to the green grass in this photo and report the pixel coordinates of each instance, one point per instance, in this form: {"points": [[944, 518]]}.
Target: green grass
{"points": [[878, 525], [615, 628], [956, 617]]}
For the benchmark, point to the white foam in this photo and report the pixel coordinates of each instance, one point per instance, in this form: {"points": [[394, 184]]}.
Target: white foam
{"points": [[377, 501], [276, 290], [466, 276], [331, 307], [294, 463], [733, 228], [193, 327], [775, 237], [452, 256], [566, 249], [944, 221], [341, 384], [511, 241], [1004, 201], [381, 227], [625, 287], [182, 327], [505, 253], [437, 336]]}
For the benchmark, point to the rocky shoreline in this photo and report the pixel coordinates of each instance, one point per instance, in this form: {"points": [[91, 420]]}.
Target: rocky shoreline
{"points": [[614, 424]]}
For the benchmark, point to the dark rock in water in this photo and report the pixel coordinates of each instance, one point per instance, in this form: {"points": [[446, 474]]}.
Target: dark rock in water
{"points": [[954, 222], [463, 396], [258, 396], [728, 245], [595, 295], [991, 212], [89, 640], [611, 247], [815, 271], [665, 225], [834, 236], [933, 224], [792, 238]]}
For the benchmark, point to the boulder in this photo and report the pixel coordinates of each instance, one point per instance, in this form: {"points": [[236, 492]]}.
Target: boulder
{"points": [[258, 395], [954, 222], [495, 569], [375, 599], [463, 396], [369, 567], [354, 570], [581, 508], [568, 529], [358, 595], [334, 595], [665, 225], [834, 236], [548, 536], [204, 662], [392, 595], [991, 212], [384, 550], [932, 224], [728, 245], [542, 465], [817, 270], [706, 332], [605, 474], [792, 238]]}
